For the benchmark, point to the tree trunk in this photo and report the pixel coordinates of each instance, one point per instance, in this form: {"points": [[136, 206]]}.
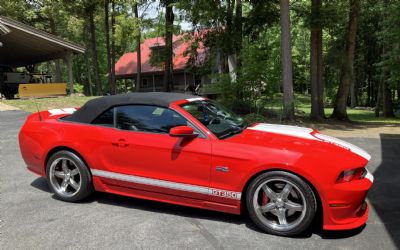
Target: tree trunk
{"points": [[107, 33], [287, 73], [57, 76], [93, 46], [398, 92], [113, 84], [387, 104], [378, 100], [138, 51], [317, 87], [169, 21], [230, 47], [353, 92], [238, 35], [340, 109], [369, 90], [88, 83]]}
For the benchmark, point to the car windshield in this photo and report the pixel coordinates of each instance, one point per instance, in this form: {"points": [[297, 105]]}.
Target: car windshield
{"points": [[221, 121]]}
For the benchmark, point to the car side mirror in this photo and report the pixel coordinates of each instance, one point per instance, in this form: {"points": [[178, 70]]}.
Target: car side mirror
{"points": [[182, 131]]}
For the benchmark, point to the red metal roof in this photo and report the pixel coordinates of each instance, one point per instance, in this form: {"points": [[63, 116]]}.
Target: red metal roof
{"points": [[126, 65]]}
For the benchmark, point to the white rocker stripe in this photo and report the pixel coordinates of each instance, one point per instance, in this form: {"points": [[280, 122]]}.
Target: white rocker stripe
{"points": [[168, 184]]}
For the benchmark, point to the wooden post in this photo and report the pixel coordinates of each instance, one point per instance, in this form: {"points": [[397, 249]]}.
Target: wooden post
{"points": [[154, 85]]}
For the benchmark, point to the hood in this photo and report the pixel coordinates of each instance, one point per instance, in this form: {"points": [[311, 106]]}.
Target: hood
{"points": [[284, 135]]}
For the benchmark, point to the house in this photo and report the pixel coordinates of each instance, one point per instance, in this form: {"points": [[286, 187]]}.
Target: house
{"points": [[152, 73]]}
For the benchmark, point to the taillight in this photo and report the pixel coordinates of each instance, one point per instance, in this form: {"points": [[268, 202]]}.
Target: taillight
{"points": [[351, 174]]}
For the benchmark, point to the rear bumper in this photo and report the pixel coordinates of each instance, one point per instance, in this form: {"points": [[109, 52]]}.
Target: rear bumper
{"points": [[346, 207], [36, 170]]}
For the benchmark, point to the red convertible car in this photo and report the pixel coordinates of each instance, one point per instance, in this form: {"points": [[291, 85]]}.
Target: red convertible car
{"points": [[192, 151]]}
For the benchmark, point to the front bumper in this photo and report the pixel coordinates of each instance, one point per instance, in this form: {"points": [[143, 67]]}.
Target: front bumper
{"points": [[346, 207]]}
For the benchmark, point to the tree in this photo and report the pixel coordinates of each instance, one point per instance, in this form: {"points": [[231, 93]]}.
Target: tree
{"points": [[107, 35], [113, 85], [168, 63], [317, 87], [239, 33], [287, 74], [347, 72], [138, 49], [89, 10], [390, 59]]}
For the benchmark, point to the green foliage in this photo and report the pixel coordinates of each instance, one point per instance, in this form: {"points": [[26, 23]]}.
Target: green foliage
{"points": [[254, 118], [389, 38], [78, 88], [258, 80]]}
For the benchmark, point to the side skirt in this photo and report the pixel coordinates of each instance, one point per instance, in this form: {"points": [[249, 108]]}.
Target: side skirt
{"points": [[162, 197]]}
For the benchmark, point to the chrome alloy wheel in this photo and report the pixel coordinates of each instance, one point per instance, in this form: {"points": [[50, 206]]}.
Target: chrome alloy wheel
{"points": [[65, 177], [279, 204]]}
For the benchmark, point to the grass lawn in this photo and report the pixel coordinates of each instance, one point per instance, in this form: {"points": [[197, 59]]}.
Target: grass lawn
{"points": [[303, 109], [302, 105]]}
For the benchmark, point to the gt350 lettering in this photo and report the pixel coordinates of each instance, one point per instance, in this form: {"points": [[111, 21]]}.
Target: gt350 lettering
{"points": [[225, 194]]}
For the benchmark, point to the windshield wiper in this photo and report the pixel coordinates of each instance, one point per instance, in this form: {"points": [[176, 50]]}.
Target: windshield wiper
{"points": [[230, 133]]}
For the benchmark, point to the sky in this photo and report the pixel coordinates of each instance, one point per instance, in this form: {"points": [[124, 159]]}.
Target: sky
{"points": [[153, 10]]}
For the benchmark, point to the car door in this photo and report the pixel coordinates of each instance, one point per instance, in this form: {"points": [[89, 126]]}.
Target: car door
{"points": [[139, 153]]}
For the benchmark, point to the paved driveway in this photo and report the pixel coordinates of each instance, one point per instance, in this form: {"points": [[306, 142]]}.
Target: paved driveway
{"points": [[32, 219]]}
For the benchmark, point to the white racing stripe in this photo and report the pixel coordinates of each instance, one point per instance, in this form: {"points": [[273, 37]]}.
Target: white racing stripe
{"points": [[61, 111], [167, 184], [343, 144], [369, 176], [306, 134], [195, 99], [285, 130]]}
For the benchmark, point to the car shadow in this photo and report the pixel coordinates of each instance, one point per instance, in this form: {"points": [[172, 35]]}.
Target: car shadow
{"points": [[195, 213], [385, 193], [41, 184]]}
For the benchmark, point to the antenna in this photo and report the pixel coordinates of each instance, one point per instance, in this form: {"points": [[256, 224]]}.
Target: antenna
{"points": [[37, 107]]}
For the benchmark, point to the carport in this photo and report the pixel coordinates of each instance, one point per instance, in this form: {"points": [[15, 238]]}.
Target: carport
{"points": [[22, 45]]}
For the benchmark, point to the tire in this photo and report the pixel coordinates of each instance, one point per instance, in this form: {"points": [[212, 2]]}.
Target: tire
{"points": [[68, 176], [280, 203]]}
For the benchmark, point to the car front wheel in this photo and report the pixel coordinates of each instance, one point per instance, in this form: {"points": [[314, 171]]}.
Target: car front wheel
{"points": [[68, 176], [281, 203]]}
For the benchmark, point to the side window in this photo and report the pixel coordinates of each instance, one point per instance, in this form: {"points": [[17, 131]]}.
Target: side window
{"points": [[148, 118], [105, 119]]}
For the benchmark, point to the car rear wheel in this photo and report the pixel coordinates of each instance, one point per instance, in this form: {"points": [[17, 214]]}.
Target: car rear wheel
{"points": [[281, 203], [68, 176]]}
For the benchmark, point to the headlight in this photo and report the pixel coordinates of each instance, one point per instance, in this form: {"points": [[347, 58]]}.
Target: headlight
{"points": [[351, 174]]}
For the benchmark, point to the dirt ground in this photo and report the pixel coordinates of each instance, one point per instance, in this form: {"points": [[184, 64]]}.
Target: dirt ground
{"points": [[5, 107], [362, 130], [350, 129]]}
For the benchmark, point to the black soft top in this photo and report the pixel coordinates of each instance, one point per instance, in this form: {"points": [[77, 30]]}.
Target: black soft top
{"points": [[97, 106]]}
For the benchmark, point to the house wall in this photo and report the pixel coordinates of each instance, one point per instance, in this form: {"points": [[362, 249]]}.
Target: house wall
{"points": [[154, 82]]}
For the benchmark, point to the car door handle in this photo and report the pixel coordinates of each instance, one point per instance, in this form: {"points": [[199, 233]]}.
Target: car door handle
{"points": [[120, 143]]}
